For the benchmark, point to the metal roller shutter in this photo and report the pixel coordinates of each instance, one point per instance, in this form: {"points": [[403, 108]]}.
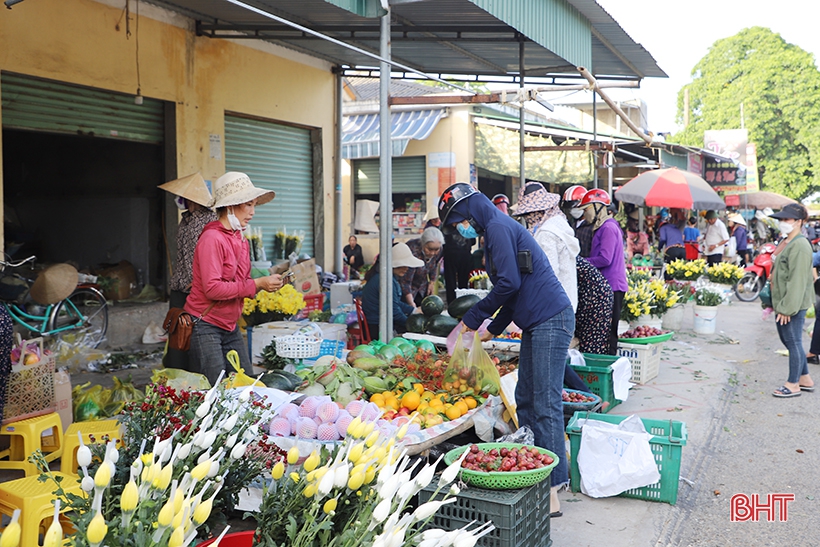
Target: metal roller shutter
{"points": [[55, 107], [279, 158], [409, 175]]}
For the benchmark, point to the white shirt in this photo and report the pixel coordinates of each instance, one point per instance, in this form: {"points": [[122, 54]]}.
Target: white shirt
{"points": [[557, 240], [715, 233]]}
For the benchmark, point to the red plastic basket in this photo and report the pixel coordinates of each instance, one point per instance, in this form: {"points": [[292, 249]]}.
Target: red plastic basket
{"points": [[234, 539]]}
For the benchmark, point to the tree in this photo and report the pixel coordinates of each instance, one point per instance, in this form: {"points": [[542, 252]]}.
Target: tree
{"points": [[778, 85]]}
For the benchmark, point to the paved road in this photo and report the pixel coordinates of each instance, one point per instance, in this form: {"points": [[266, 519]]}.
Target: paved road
{"points": [[741, 440]]}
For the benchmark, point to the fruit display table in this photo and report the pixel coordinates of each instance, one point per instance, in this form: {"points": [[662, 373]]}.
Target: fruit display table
{"points": [[499, 345]]}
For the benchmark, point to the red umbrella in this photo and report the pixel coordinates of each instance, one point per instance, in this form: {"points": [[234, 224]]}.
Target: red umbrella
{"points": [[670, 188]]}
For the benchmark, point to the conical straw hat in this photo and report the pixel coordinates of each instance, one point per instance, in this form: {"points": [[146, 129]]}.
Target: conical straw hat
{"points": [[192, 188], [54, 284]]}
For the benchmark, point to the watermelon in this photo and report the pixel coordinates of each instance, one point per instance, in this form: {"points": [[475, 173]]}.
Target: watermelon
{"points": [[441, 325], [432, 305], [416, 323], [459, 307]]}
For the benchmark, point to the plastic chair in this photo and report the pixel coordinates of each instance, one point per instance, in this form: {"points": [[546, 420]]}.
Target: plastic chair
{"points": [[96, 428], [36, 503], [361, 331], [26, 436]]}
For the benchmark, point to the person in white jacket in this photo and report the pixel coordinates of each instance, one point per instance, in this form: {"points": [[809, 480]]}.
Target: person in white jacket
{"points": [[548, 225]]}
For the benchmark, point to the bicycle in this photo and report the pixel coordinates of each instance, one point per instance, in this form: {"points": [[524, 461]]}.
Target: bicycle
{"points": [[85, 310]]}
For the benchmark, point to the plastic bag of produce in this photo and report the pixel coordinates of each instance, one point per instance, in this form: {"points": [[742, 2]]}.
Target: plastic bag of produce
{"points": [[89, 402], [467, 344], [475, 373], [181, 379], [615, 458], [487, 376]]}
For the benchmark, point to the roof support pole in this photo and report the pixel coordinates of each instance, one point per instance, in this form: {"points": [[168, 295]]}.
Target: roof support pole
{"points": [[385, 188], [337, 150], [521, 171], [613, 105]]}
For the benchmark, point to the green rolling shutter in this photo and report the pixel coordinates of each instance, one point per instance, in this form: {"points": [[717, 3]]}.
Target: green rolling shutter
{"points": [[279, 158], [55, 107], [409, 176]]}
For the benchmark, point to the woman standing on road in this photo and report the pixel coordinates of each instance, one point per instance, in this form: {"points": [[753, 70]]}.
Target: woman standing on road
{"points": [[222, 277], [792, 295]]}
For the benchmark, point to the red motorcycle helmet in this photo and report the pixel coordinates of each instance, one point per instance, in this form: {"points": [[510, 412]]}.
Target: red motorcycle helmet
{"points": [[574, 193], [500, 198], [596, 195]]}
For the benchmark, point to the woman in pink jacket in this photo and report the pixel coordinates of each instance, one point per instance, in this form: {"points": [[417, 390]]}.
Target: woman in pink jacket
{"points": [[222, 277]]}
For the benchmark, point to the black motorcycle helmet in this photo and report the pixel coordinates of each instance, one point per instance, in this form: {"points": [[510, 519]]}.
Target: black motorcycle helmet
{"points": [[449, 198]]}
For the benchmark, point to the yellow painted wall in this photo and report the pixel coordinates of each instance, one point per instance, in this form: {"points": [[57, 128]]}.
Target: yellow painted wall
{"points": [[84, 42]]}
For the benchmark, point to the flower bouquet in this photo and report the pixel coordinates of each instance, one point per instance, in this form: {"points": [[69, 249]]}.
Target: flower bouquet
{"points": [[725, 273], [686, 270], [663, 298], [685, 290], [708, 297], [277, 306], [638, 301]]}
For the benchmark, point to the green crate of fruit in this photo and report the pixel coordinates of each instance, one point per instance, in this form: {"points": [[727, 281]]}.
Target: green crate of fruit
{"points": [[669, 438], [521, 517], [502, 480], [597, 373]]}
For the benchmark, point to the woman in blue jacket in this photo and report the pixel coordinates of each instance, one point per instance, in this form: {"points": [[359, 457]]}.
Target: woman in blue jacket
{"points": [[526, 291]]}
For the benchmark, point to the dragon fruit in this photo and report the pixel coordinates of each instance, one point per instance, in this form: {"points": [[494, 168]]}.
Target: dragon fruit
{"points": [[327, 432], [327, 412]]}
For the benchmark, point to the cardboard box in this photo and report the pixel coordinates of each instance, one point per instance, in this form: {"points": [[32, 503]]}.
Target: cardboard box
{"points": [[62, 397]]}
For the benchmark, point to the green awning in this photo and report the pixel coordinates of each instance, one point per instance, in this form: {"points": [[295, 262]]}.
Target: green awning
{"points": [[496, 149]]}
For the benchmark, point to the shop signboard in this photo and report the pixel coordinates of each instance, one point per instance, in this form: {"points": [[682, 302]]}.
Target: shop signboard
{"points": [[752, 177], [727, 174]]}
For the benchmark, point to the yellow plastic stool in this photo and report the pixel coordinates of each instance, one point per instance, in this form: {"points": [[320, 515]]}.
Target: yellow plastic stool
{"points": [[26, 436], [94, 428], [36, 503]]}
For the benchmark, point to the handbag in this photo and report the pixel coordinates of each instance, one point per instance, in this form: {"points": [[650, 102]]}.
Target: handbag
{"points": [[179, 324]]}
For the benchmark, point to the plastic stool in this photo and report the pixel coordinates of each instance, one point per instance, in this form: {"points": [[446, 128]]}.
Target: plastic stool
{"points": [[96, 428], [26, 437], [36, 503]]}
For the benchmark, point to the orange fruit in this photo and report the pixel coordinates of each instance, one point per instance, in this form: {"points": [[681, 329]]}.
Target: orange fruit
{"points": [[427, 395], [436, 404], [453, 412], [471, 402], [462, 406], [411, 400], [392, 403], [377, 398], [419, 388]]}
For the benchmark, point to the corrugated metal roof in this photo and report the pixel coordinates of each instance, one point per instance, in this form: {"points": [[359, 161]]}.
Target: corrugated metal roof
{"points": [[442, 36]]}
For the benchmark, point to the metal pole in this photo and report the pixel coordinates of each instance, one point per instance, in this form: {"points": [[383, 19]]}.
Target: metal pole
{"points": [[521, 141], [385, 189], [611, 157], [337, 145], [595, 138]]}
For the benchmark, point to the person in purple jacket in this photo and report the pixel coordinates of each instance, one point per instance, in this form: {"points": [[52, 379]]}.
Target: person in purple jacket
{"points": [[607, 253]]}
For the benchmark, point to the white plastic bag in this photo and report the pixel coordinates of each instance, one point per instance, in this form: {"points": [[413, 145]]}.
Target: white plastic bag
{"points": [[615, 458], [621, 374]]}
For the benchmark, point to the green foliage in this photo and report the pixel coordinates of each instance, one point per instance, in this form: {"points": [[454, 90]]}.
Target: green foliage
{"points": [[779, 86]]}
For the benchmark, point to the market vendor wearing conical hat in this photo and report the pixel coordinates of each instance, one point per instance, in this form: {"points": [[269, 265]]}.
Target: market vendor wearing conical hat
{"points": [[525, 290], [222, 277], [193, 197]]}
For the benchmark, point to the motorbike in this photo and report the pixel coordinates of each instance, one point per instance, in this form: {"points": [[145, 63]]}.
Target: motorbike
{"points": [[753, 281]]}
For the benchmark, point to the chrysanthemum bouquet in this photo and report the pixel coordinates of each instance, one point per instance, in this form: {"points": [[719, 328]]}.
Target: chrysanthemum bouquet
{"points": [[725, 273], [272, 306]]}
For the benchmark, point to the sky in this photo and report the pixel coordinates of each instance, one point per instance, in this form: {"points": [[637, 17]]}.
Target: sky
{"points": [[678, 34]]}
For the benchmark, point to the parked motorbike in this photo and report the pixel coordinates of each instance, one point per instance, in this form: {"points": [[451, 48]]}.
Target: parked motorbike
{"points": [[753, 281]]}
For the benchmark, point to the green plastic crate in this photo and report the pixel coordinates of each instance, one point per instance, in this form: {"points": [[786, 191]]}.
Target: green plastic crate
{"points": [[521, 517], [667, 444], [598, 375]]}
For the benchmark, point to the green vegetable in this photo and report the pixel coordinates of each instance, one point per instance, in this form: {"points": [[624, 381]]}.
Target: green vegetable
{"points": [[432, 305]]}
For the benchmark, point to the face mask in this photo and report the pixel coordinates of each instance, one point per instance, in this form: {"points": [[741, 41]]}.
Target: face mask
{"points": [[589, 214], [467, 232], [234, 222], [180, 203], [785, 227], [576, 213]]}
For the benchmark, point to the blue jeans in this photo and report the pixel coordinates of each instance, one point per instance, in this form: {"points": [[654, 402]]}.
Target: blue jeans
{"points": [[210, 345], [791, 334], [540, 381]]}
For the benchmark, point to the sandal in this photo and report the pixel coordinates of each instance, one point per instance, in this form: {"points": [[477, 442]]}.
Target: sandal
{"points": [[808, 389], [783, 392]]}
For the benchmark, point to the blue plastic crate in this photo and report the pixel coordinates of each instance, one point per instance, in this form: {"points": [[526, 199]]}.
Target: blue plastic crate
{"points": [[332, 347]]}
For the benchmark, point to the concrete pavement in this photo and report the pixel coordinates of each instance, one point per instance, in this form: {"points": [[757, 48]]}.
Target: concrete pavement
{"points": [[741, 440]]}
